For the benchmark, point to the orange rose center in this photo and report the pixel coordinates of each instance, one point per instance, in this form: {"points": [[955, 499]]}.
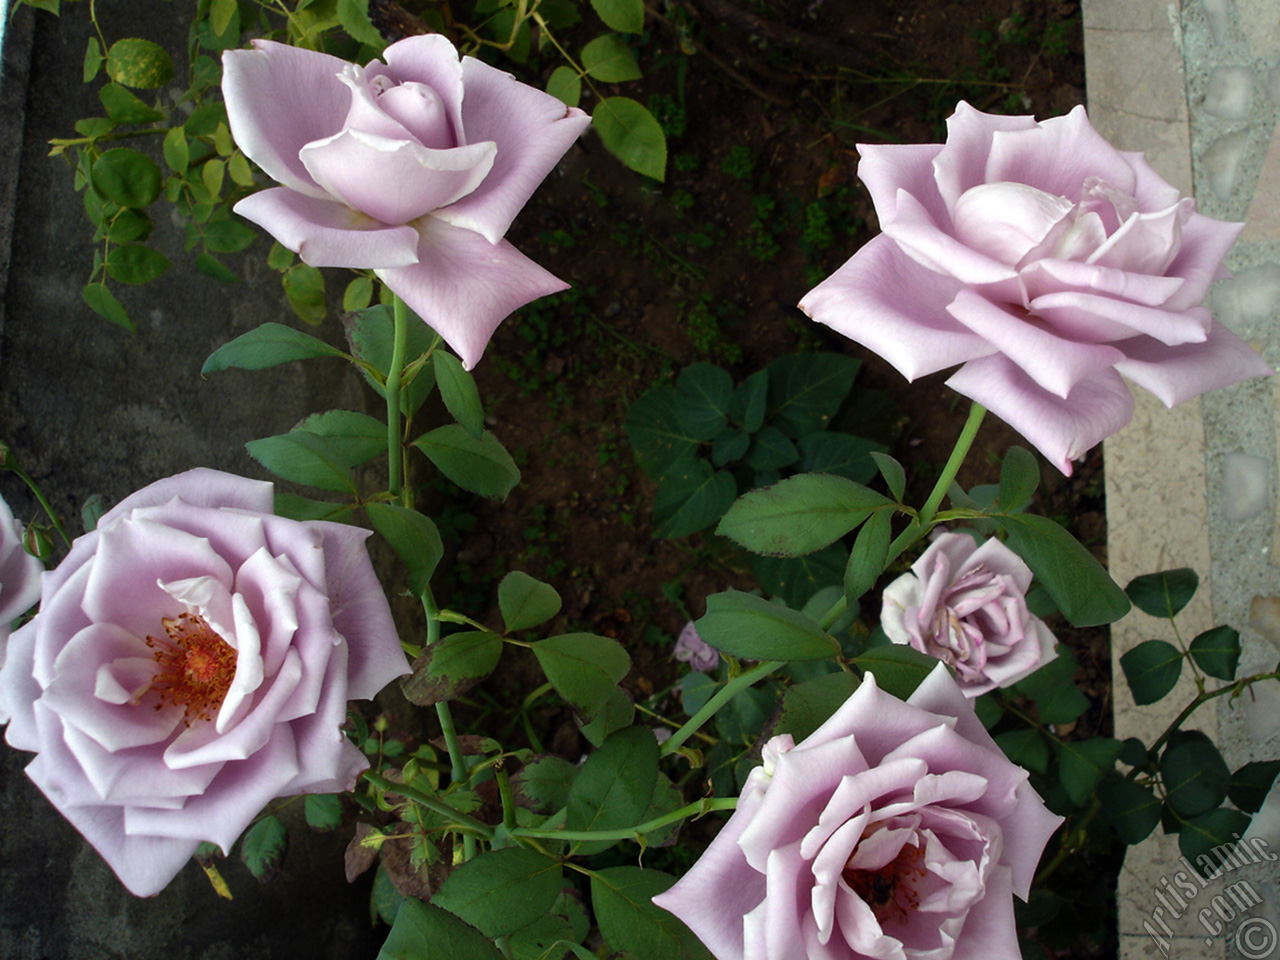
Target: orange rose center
{"points": [[196, 666], [890, 892]]}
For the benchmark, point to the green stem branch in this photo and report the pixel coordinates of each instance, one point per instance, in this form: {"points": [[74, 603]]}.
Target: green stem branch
{"points": [[456, 817], [698, 808], [395, 449], [721, 697]]}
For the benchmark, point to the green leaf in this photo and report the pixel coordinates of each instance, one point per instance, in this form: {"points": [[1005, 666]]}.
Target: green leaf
{"points": [[127, 177], [1217, 652], [220, 14], [807, 706], [806, 390], [413, 536], [134, 263], [771, 449], [631, 134], [750, 401], [654, 429], [304, 287], [625, 16], [358, 294], [794, 580], [565, 85], [1163, 594], [1083, 763], [501, 891], [481, 466], [371, 333], [1026, 748], [305, 458], [323, 811], [1053, 689], [729, 446], [1084, 592], [92, 59], [840, 454], [139, 63], [129, 225], [361, 436], [451, 666], [608, 58], [229, 236], [868, 556], [1195, 776], [123, 107], [280, 257], [750, 627], [1199, 837], [103, 302], [212, 267], [294, 507], [262, 848], [269, 345], [617, 712], [1133, 809], [583, 668], [459, 393], [703, 394], [691, 496], [423, 931], [1251, 783], [898, 669], [354, 17], [1152, 669], [622, 898], [526, 602], [614, 787], [798, 515], [542, 784], [1019, 478]]}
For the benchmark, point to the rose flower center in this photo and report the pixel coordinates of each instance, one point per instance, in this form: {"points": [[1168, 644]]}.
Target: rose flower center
{"points": [[890, 891], [196, 666]]}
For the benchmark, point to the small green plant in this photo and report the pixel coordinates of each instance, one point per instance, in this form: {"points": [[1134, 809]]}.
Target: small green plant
{"points": [[739, 162]]}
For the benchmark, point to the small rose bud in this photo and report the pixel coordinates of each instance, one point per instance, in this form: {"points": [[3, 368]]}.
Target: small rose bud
{"points": [[6, 456], [37, 542]]}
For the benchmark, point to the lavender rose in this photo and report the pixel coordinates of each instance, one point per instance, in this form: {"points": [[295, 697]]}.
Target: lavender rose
{"points": [[1047, 263], [192, 659], [967, 605], [895, 830], [414, 168], [19, 575]]}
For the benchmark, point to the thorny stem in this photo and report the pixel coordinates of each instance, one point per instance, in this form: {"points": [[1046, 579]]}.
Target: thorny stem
{"points": [[457, 817], [721, 697]]}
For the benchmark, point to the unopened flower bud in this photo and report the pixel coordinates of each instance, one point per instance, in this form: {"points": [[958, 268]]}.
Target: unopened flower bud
{"points": [[37, 542]]}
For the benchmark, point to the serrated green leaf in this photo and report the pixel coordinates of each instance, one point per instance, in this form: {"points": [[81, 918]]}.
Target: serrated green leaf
{"points": [[750, 401], [294, 507], [1217, 652], [868, 556], [583, 668], [413, 536], [451, 666], [268, 346], [481, 466], [794, 580], [212, 267], [898, 669], [501, 891], [609, 59], [542, 784], [123, 107], [614, 787], [1152, 669], [895, 477], [361, 436], [1083, 763], [371, 333], [304, 288], [220, 15], [358, 294], [617, 712], [1133, 809], [1163, 594], [135, 263], [526, 602], [691, 496], [808, 705], [1200, 837], [139, 63], [127, 177], [305, 458], [323, 811], [1251, 783], [1084, 592], [703, 395], [622, 898], [263, 846], [354, 17], [1195, 777], [625, 16], [798, 515], [92, 60], [751, 627], [1019, 478], [228, 236], [459, 392], [128, 226], [654, 429], [103, 302], [771, 449], [1053, 689], [631, 134], [423, 931], [1026, 748], [565, 84], [806, 390]]}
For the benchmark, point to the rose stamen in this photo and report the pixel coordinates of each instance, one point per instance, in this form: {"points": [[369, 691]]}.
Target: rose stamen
{"points": [[196, 667], [890, 891]]}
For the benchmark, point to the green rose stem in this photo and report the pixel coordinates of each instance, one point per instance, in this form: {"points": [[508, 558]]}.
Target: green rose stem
{"points": [[920, 525], [695, 809], [395, 449], [463, 821], [721, 697], [44, 502]]}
